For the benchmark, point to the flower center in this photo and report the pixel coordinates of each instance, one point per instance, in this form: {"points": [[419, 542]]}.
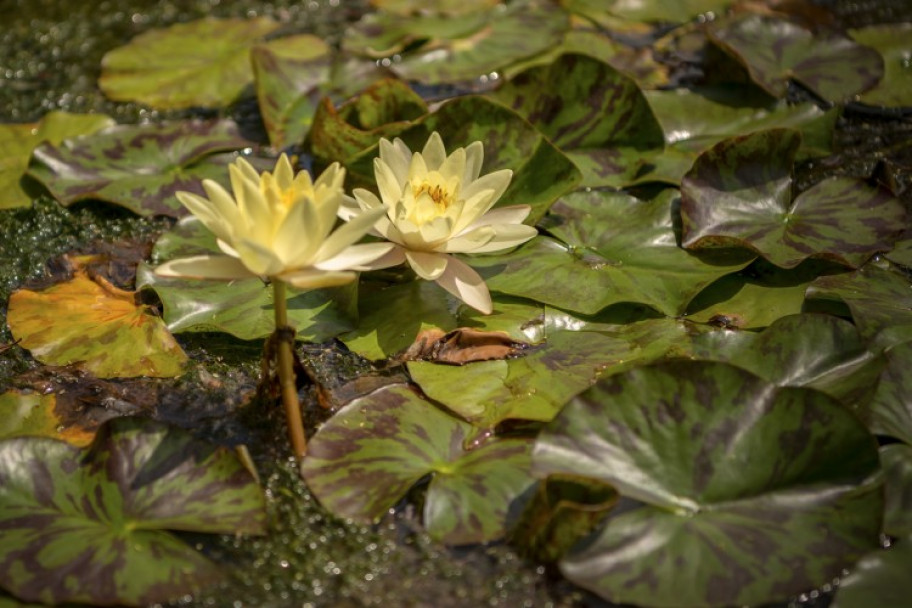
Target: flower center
{"points": [[433, 196]]}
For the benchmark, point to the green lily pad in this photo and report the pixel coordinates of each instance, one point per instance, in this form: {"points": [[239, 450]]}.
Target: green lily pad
{"points": [[288, 74], [410, 8], [139, 167], [19, 140], [616, 249], [752, 493], [880, 300], [773, 51], [536, 385], [89, 526], [902, 250], [664, 11], [892, 41], [811, 350], [891, 409], [880, 578], [88, 321], [242, 308], [201, 63], [594, 113], [738, 193], [367, 456], [896, 459], [24, 414]]}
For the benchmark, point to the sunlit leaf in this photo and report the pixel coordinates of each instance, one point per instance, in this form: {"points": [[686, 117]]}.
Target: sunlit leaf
{"points": [[591, 111], [368, 455], [19, 140], [739, 193], [89, 526], [726, 520], [139, 167], [33, 415], [894, 42], [774, 50], [242, 308], [88, 321], [200, 63], [880, 578], [616, 249], [891, 409]]}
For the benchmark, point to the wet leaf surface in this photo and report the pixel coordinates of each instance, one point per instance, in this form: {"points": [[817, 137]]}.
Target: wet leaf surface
{"points": [[90, 526], [367, 456], [739, 193], [88, 321], [202, 63], [724, 520], [880, 578], [139, 167], [891, 407]]}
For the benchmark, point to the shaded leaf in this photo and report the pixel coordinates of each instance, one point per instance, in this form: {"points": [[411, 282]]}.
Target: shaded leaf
{"points": [[88, 321], [897, 464], [367, 456], [833, 67], [891, 407], [19, 140], [33, 415], [200, 63], [139, 167], [88, 526], [726, 519], [880, 578], [738, 193], [242, 308], [892, 41]]}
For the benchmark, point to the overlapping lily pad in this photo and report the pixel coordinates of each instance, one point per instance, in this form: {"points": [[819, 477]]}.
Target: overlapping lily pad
{"points": [[201, 63], [880, 578], [594, 113], [241, 308], [750, 493], [28, 414], [773, 51], [894, 43], [19, 140], [367, 456], [139, 167], [897, 463], [891, 410], [88, 321], [674, 11], [739, 193], [616, 249], [90, 526]]}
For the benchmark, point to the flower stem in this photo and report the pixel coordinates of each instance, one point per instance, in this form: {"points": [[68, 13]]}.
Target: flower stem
{"points": [[284, 363]]}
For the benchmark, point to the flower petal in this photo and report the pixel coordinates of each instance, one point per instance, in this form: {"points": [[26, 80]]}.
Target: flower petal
{"points": [[469, 241], [434, 153], [311, 278], [283, 173], [216, 267], [390, 187], [207, 213], [259, 259], [497, 181], [505, 236], [298, 238], [358, 257], [428, 266], [514, 214], [464, 283], [348, 233], [474, 160], [398, 157]]}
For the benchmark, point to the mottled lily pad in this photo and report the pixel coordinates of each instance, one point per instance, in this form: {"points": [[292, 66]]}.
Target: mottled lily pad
{"points": [[242, 308], [891, 410], [894, 43], [673, 11], [739, 193], [773, 51], [201, 63], [367, 456], [19, 140], [725, 519], [592, 112], [880, 578], [26, 414], [89, 526], [139, 167], [88, 321], [616, 249]]}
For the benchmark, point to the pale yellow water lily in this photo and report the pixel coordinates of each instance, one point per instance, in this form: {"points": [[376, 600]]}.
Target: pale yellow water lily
{"points": [[438, 204], [278, 225]]}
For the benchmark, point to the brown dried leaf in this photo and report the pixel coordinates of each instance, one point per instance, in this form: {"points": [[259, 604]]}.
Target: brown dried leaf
{"points": [[462, 345]]}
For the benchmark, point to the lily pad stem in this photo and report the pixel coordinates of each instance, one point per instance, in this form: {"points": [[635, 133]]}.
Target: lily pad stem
{"points": [[285, 365]]}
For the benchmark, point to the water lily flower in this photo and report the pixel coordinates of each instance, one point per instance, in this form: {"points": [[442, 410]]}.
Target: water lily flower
{"points": [[436, 205], [278, 225]]}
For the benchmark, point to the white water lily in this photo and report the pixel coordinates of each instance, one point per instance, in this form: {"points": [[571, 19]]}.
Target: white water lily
{"points": [[278, 225], [437, 204]]}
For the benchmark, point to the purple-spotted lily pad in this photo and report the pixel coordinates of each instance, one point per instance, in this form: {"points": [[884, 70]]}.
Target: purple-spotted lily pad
{"points": [[89, 322], [891, 410], [139, 167], [739, 193], [201, 63], [750, 493], [773, 51], [242, 308], [880, 578], [90, 526], [592, 112], [894, 43], [367, 457], [19, 140], [536, 385], [615, 248]]}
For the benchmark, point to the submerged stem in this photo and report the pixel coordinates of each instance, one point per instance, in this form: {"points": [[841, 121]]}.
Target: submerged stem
{"points": [[285, 365]]}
